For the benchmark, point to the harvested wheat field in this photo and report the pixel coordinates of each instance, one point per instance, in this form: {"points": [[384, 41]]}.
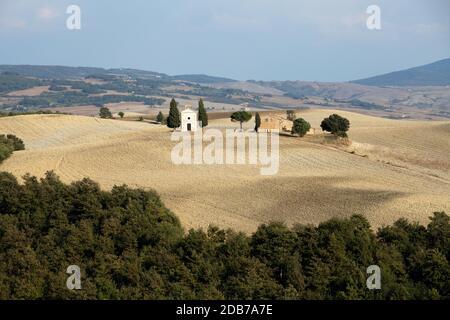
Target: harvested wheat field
{"points": [[392, 169]]}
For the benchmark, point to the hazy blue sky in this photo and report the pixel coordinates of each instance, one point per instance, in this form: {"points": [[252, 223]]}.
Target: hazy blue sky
{"points": [[242, 39]]}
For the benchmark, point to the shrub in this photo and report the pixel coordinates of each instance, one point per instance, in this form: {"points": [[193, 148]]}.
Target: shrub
{"points": [[104, 113], [336, 124], [300, 127]]}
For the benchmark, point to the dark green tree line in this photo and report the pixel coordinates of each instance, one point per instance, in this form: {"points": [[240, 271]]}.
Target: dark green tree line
{"points": [[128, 245]]}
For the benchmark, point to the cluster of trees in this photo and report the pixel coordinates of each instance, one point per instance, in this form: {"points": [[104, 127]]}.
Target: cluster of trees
{"points": [[105, 113], [87, 88], [8, 144], [138, 87], [366, 105], [55, 87], [12, 82], [336, 124], [128, 245], [135, 87], [220, 95]]}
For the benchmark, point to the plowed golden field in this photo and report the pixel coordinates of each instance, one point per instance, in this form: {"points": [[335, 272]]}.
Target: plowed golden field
{"points": [[392, 169]]}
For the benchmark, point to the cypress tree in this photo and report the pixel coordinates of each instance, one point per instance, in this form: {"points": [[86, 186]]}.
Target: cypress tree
{"points": [[202, 116], [257, 121], [174, 119], [160, 117]]}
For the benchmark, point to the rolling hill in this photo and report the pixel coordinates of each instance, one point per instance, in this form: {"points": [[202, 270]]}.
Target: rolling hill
{"points": [[201, 78], [64, 72], [433, 74], [393, 169], [26, 87]]}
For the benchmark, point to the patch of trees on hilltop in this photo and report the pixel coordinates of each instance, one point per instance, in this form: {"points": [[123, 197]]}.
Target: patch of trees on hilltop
{"points": [[74, 98], [133, 89], [10, 82], [128, 245], [362, 104], [220, 95], [50, 72]]}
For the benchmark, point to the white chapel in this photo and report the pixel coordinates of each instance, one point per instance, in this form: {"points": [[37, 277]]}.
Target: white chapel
{"points": [[188, 119]]}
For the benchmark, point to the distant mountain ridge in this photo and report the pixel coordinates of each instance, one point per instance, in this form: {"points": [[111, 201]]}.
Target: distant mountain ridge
{"points": [[64, 72], [422, 90], [433, 74], [202, 78], [50, 72]]}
